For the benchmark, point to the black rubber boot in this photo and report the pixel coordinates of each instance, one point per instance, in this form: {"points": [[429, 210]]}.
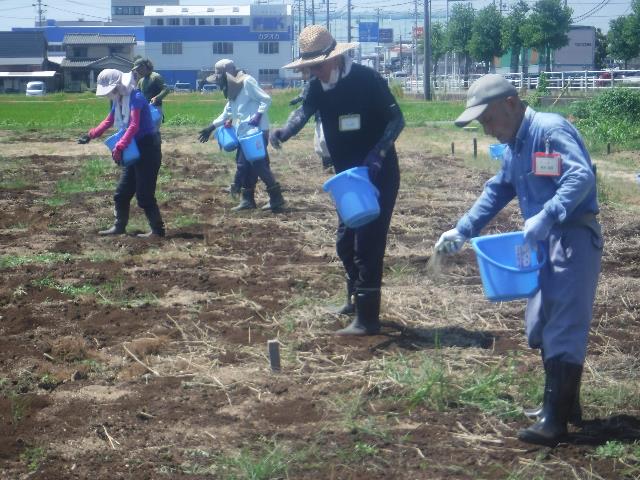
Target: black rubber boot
{"points": [[575, 414], [155, 222], [247, 202], [120, 225], [367, 321], [561, 385], [327, 162], [276, 201], [349, 308]]}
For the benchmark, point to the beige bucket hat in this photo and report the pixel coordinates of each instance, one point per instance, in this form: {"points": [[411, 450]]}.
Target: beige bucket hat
{"points": [[317, 45]]}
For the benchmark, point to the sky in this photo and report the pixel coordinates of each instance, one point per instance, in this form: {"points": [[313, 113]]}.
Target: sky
{"points": [[21, 13]]}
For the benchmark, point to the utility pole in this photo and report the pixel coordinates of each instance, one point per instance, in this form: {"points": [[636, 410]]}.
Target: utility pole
{"points": [[313, 12], [328, 23], [305, 13], [40, 12], [426, 32], [348, 20]]}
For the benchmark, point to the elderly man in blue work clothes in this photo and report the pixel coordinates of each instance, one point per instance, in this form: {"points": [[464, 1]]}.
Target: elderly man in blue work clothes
{"points": [[547, 166]]}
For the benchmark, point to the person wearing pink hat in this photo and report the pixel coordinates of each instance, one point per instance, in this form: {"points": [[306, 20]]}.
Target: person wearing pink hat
{"points": [[130, 111]]}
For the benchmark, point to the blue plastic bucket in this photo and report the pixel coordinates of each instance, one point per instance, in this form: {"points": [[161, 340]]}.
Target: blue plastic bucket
{"points": [[356, 198], [253, 147], [508, 269], [496, 150], [156, 115], [130, 155], [227, 138]]}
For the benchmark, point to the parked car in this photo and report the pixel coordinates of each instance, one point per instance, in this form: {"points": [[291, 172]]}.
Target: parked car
{"points": [[182, 87], [36, 89], [209, 88]]}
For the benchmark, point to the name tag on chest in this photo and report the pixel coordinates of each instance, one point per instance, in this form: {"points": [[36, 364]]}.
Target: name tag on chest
{"points": [[349, 123], [547, 164]]}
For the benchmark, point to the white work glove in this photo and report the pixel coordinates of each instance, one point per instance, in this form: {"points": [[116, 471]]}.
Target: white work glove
{"points": [[450, 242], [537, 228]]}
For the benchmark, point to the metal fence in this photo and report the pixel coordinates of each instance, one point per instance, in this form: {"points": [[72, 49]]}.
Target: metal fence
{"points": [[576, 81]]}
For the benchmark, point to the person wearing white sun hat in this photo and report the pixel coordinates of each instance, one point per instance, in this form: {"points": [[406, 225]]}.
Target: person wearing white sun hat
{"points": [[130, 111], [361, 121]]}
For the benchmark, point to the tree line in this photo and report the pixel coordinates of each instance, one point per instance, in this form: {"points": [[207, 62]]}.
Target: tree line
{"points": [[481, 35]]}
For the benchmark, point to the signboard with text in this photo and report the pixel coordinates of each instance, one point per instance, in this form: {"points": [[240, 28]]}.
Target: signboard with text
{"points": [[368, 32], [385, 35]]}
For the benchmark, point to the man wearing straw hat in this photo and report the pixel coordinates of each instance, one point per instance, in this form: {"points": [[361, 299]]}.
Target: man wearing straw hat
{"points": [[246, 109], [361, 121], [547, 166]]}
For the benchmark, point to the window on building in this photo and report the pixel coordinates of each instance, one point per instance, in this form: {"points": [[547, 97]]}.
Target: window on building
{"points": [[222, 48], [235, 21], [204, 21], [188, 21], [268, 75], [268, 47], [55, 48], [220, 20], [80, 52], [172, 48], [173, 21], [114, 49], [157, 21]]}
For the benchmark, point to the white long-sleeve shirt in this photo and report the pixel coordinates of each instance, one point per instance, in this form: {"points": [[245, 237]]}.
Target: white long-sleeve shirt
{"points": [[251, 100]]}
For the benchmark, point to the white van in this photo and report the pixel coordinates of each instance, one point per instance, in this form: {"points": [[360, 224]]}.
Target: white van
{"points": [[36, 89]]}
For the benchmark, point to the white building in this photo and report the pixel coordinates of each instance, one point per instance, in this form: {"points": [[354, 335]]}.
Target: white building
{"points": [[184, 41]]}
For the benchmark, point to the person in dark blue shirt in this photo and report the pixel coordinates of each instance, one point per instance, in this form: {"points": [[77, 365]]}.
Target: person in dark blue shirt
{"points": [[361, 121]]}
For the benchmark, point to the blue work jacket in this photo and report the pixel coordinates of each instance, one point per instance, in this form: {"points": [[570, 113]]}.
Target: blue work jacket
{"points": [[567, 197]]}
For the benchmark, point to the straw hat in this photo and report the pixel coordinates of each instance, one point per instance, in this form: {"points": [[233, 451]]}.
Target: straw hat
{"points": [[317, 45], [109, 78]]}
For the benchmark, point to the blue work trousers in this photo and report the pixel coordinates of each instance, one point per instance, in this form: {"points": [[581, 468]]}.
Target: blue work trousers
{"points": [[559, 315]]}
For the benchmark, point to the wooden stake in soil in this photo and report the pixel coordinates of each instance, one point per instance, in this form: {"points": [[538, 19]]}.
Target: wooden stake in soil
{"points": [[453, 148], [475, 147], [608, 149], [274, 354]]}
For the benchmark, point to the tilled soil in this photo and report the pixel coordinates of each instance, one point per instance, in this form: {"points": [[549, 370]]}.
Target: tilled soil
{"points": [[125, 358]]}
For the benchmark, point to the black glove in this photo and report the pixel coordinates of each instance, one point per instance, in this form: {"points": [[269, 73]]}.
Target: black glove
{"points": [[205, 133], [296, 100], [278, 136], [373, 160], [84, 139]]}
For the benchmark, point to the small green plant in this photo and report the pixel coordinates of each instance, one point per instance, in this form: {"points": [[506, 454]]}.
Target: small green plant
{"points": [[33, 457], [70, 290], [93, 176], [182, 221], [543, 84], [611, 449], [12, 261], [266, 461]]}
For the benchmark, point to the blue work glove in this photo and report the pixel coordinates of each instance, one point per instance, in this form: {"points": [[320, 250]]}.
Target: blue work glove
{"points": [[279, 136], [373, 160], [537, 228], [254, 121], [450, 242]]}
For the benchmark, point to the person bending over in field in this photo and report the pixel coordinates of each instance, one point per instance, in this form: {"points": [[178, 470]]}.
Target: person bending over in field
{"points": [[246, 110], [361, 121], [130, 111], [547, 166], [151, 84]]}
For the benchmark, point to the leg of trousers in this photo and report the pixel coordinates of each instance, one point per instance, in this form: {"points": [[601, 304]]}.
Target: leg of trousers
{"points": [[361, 250], [146, 172]]}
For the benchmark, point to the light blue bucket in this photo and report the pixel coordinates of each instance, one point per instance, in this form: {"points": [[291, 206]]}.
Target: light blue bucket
{"points": [[156, 116], [227, 138], [508, 268], [130, 155], [253, 146], [356, 198], [496, 150]]}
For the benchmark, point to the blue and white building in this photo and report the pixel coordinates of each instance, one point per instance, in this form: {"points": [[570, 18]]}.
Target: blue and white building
{"points": [[185, 41]]}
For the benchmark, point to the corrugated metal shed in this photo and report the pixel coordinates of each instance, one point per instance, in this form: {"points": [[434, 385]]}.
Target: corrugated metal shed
{"points": [[98, 39], [22, 44]]}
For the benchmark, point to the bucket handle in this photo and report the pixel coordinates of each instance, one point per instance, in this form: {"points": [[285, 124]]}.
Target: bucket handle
{"points": [[509, 268], [358, 177]]}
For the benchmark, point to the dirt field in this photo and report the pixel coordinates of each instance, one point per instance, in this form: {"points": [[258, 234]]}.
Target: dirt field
{"points": [[123, 358]]}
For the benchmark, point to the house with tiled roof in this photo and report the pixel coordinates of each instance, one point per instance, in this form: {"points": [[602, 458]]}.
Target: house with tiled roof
{"points": [[86, 54]]}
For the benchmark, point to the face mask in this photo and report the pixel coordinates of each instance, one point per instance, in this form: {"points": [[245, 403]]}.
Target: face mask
{"points": [[335, 76]]}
